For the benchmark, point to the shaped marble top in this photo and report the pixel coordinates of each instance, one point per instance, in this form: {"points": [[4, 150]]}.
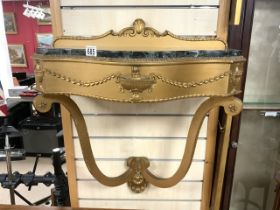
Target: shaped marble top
{"points": [[140, 54]]}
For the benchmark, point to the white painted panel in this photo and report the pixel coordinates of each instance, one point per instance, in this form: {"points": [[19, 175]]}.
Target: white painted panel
{"points": [[183, 190], [157, 126], [137, 2], [160, 168], [151, 148], [170, 204], [6, 78], [185, 106], [98, 21]]}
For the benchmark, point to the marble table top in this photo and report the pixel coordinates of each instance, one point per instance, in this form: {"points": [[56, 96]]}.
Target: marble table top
{"points": [[140, 54]]}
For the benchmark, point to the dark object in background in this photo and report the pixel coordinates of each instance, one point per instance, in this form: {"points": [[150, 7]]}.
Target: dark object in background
{"points": [[39, 134], [29, 81], [19, 75], [15, 146], [61, 192], [15, 138], [60, 138], [19, 112], [24, 79]]}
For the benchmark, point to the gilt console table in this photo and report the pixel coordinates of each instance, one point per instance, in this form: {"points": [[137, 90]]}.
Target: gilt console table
{"points": [[141, 65]]}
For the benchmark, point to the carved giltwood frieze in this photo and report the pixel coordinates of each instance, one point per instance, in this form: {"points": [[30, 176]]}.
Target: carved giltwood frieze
{"points": [[139, 29], [138, 83], [79, 82]]}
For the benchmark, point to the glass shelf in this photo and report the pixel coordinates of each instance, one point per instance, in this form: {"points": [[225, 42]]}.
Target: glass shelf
{"points": [[258, 158], [263, 99], [261, 105]]}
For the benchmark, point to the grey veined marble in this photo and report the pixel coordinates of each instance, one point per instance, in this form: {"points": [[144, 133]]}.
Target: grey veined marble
{"points": [[141, 54]]}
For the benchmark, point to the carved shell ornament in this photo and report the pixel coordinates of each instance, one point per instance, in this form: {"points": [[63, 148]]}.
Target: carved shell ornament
{"points": [[139, 28], [139, 25]]}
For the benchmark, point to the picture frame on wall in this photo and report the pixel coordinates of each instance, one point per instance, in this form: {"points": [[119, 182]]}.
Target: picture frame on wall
{"points": [[17, 55], [47, 19], [10, 23], [44, 40]]}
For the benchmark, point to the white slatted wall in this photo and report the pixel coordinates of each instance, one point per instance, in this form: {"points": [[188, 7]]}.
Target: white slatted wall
{"points": [[156, 131], [92, 17]]}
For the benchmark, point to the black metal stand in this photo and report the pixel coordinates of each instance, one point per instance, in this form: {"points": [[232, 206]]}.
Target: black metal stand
{"points": [[9, 168], [59, 179], [11, 180], [7, 149]]}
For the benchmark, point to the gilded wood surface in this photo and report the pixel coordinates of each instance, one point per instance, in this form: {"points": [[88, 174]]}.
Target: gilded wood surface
{"points": [[209, 159], [232, 107], [70, 156], [57, 78], [141, 37], [223, 20], [221, 159], [57, 31], [154, 81]]}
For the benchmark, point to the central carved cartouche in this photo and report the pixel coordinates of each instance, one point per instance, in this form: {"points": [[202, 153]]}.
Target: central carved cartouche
{"points": [[139, 28], [137, 183], [139, 25], [136, 83]]}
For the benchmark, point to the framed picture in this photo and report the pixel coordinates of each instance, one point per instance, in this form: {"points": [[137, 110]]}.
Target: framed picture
{"points": [[17, 55], [10, 23], [44, 40], [47, 20]]}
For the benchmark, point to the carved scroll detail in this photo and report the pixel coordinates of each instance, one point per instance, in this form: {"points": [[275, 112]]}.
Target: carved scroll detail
{"points": [[139, 28], [42, 104], [235, 77], [39, 74], [137, 183]]}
